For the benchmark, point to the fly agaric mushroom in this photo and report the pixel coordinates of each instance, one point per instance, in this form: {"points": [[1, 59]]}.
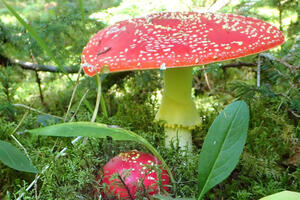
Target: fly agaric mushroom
{"points": [[130, 173], [174, 41]]}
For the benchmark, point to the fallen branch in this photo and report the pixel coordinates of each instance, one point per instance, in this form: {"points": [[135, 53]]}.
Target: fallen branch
{"points": [[74, 69], [238, 65], [36, 67], [44, 68]]}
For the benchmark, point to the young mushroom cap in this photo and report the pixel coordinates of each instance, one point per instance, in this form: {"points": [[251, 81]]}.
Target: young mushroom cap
{"points": [[176, 39], [133, 172], [173, 41]]}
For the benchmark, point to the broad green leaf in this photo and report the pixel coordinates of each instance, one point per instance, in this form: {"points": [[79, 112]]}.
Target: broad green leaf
{"points": [[223, 146], [14, 158], [285, 195], [89, 129]]}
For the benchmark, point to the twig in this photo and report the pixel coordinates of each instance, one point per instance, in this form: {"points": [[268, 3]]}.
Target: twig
{"points": [[35, 110], [80, 102], [295, 114], [206, 78], [238, 65], [37, 78], [19, 143], [73, 94], [38, 81], [123, 182], [37, 67], [44, 68], [36, 190], [29, 187], [16, 140], [258, 72]]}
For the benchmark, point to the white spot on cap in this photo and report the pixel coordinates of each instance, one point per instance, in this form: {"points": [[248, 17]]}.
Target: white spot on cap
{"points": [[237, 42], [90, 68], [163, 66]]}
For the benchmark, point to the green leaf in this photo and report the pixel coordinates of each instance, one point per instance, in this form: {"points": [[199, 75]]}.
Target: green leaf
{"points": [[89, 129], [285, 195], [223, 146], [14, 158]]}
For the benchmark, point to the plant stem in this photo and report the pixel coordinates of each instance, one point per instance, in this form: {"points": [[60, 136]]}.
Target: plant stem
{"points": [[73, 94], [125, 186], [98, 99]]}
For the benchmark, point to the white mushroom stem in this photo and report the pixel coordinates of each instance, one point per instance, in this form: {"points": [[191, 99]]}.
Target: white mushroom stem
{"points": [[179, 136], [178, 109]]}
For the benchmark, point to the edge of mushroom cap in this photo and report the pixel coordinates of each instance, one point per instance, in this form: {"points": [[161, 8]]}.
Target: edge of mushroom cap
{"points": [[105, 69]]}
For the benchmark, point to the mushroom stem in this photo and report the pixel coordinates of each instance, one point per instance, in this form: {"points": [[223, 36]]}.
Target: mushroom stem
{"points": [[179, 136], [178, 109]]}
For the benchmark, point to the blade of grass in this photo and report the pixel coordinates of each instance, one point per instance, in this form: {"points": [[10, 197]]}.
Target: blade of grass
{"points": [[98, 98], [103, 106], [73, 93]]}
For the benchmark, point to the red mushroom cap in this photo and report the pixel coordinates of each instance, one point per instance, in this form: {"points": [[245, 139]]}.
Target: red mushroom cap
{"points": [[176, 39], [137, 172]]}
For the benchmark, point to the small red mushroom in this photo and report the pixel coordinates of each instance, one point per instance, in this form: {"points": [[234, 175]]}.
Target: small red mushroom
{"points": [[133, 173], [174, 42]]}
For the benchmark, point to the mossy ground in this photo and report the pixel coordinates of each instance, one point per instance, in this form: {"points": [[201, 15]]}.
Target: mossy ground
{"points": [[264, 167]]}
